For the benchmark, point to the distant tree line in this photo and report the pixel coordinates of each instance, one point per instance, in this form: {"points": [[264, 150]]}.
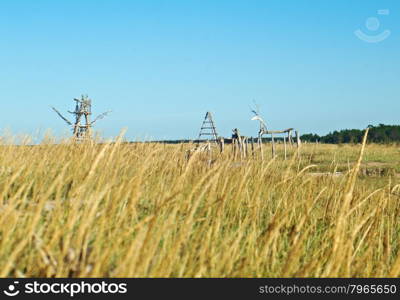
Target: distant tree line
{"points": [[382, 133]]}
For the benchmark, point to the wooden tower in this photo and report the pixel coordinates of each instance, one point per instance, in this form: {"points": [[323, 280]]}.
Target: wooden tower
{"points": [[82, 126], [208, 128]]}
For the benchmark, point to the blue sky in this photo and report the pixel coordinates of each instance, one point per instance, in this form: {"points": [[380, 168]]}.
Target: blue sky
{"points": [[160, 65]]}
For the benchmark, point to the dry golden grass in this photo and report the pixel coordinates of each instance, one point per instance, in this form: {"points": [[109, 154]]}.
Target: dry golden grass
{"points": [[142, 210]]}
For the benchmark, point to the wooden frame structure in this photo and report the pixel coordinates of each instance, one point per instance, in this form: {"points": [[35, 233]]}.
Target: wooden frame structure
{"points": [[241, 145], [264, 131], [82, 127], [208, 128]]}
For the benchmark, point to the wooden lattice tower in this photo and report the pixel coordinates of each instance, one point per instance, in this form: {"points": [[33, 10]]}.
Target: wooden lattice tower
{"points": [[82, 127], [208, 128]]}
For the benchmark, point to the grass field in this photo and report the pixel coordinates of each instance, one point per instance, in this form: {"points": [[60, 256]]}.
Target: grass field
{"points": [[142, 210]]}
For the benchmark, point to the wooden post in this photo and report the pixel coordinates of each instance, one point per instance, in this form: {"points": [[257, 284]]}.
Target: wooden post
{"points": [[290, 138], [261, 148], [240, 145], [246, 143], [252, 146], [273, 145], [209, 153], [234, 148], [221, 145], [237, 148], [284, 144], [298, 139]]}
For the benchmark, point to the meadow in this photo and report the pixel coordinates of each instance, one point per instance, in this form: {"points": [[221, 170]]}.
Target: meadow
{"points": [[143, 210]]}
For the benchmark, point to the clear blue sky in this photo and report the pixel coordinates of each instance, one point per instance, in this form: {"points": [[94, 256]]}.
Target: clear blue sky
{"points": [[160, 65]]}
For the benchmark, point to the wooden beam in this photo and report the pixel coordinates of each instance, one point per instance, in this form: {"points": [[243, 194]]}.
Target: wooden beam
{"points": [[278, 131]]}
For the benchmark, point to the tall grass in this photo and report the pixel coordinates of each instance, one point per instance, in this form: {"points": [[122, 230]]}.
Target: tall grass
{"points": [[143, 210]]}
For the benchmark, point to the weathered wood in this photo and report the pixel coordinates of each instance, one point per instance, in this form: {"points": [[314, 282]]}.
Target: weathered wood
{"points": [[290, 133], [240, 144], [222, 144], [264, 131], [261, 147], [208, 128], [298, 142], [209, 153], [234, 148], [82, 113], [277, 131], [273, 145], [245, 142], [284, 145]]}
